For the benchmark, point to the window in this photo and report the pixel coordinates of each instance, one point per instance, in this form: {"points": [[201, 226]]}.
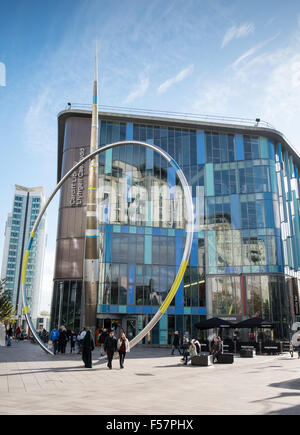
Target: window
{"points": [[219, 147], [251, 148]]}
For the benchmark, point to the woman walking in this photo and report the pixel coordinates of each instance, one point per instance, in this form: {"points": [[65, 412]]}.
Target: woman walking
{"points": [[87, 348], [123, 347]]}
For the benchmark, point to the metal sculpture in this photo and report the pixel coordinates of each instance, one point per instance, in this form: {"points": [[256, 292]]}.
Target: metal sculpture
{"points": [[186, 253]]}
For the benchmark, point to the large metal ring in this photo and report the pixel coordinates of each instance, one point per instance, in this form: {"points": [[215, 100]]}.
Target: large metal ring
{"points": [[186, 253]]}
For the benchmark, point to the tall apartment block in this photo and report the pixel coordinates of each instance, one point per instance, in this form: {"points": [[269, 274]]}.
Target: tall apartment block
{"points": [[26, 205]]}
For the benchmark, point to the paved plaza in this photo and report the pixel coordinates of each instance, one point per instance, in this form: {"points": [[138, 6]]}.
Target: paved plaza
{"points": [[152, 383]]}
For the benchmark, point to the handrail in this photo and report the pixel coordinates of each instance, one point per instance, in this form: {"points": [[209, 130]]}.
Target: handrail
{"points": [[169, 114]]}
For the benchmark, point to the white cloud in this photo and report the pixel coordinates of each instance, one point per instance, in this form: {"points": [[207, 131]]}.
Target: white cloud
{"points": [[178, 78], [252, 51], [237, 32], [139, 91]]}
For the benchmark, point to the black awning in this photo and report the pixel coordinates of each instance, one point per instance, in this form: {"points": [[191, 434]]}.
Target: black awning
{"points": [[214, 322], [255, 322]]}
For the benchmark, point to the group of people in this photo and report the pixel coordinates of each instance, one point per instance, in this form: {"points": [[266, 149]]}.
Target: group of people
{"points": [[192, 347], [110, 345], [85, 344]]}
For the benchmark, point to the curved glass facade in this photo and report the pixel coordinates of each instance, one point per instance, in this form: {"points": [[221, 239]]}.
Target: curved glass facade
{"points": [[246, 248]]}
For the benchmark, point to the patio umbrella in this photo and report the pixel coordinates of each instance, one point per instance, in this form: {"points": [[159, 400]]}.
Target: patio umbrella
{"points": [[214, 322], [255, 322]]}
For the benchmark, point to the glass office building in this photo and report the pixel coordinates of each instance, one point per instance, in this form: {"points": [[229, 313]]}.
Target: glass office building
{"points": [[245, 254]]}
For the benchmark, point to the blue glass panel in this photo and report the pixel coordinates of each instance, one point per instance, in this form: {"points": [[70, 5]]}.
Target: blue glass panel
{"points": [[203, 311], [131, 273], [194, 253], [178, 250], [269, 213], [163, 323], [130, 309], [163, 337], [279, 152], [171, 182], [139, 309], [129, 131], [273, 176], [235, 212], [114, 308], [264, 148], [122, 308], [108, 240], [296, 171], [171, 310], [148, 213], [271, 149], [140, 230], [239, 147], [179, 295], [116, 229], [148, 250], [179, 310], [131, 295], [156, 231], [209, 179], [108, 161], [149, 158], [200, 147], [124, 229]]}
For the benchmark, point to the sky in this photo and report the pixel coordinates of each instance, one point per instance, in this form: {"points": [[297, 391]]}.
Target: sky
{"points": [[210, 57]]}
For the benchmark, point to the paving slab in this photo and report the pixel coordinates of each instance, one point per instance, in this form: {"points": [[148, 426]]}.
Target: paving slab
{"points": [[154, 382]]}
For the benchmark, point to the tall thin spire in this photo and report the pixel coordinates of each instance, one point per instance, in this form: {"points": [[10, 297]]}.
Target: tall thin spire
{"points": [[91, 257]]}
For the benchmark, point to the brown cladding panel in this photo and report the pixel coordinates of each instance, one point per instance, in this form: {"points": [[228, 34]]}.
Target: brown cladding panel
{"points": [[72, 218]]}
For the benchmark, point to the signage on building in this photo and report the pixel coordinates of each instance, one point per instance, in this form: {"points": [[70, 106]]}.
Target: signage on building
{"points": [[77, 182]]}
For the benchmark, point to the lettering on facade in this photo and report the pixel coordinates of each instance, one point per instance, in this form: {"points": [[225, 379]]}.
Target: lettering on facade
{"points": [[77, 182]]}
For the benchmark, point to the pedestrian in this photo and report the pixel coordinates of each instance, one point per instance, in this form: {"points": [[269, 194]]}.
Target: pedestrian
{"points": [[216, 349], [291, 350], [102, 337], [54, 335], [123, 347], [192, 349], [62, 339], [87, 348], [176, 343], [18, 333], [82, 335], [45, 335], [9, 334], [110, 347], [185, 350], [198, 346], [73, 339], [78, 342]]}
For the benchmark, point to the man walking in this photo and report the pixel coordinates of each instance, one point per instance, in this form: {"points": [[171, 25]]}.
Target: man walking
{"points": [[102, 338], [110, 347], [54, 335], [176, 343]]}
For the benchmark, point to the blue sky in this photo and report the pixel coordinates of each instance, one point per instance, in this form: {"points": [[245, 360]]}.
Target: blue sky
{"points": [[234, 58]]}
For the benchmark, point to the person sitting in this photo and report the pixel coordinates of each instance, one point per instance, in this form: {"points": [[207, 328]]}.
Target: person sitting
{"points": [[216, 349]]}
